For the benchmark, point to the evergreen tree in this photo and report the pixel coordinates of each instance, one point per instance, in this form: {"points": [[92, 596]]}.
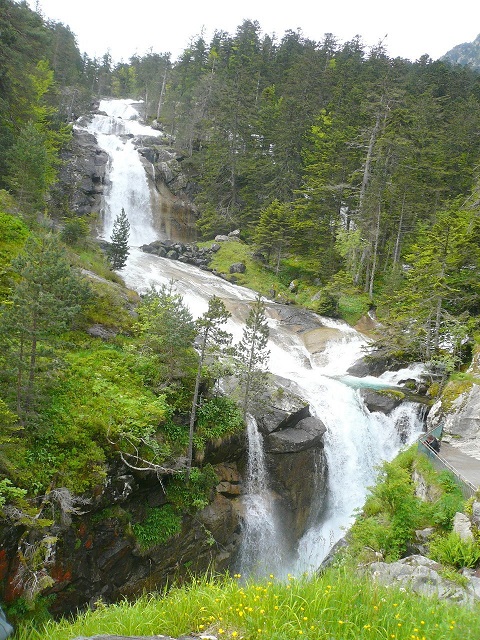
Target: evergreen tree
{"points": [[211, 341], [252, 357], [167, 330], [118, 250], [47, 297], [274, 231]]}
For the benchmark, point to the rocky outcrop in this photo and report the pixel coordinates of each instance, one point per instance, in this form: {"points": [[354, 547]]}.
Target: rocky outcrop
{"points": [[82, 176], [458, 411], [188, 253], [293, 441], [423, 576], [97, 555]]}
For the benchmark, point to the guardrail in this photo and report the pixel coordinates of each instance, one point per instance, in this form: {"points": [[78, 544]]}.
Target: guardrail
{"points": [[466, 487]]}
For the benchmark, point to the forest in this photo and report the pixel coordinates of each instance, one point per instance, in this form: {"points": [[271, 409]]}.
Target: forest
{"points": [[345, 170]]}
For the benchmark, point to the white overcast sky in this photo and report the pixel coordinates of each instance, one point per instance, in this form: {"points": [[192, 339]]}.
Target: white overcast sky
{"points": [[408, 28]]}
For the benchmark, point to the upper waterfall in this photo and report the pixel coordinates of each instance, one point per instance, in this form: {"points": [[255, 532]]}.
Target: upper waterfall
{"points": [[356, 441], [128, 187]]}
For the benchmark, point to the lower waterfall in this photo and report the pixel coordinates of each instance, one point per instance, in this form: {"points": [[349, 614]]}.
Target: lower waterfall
{"points": [[356, 441], [263, 548]]}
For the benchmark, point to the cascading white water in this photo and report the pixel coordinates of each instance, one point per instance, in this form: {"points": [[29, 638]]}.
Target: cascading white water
{"points": [[356, 441], [128, 185], [263, 545]]}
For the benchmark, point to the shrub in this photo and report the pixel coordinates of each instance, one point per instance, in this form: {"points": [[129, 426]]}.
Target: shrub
{"points": [[195, 494], [160, 524], [216, 418], [453, 551]]}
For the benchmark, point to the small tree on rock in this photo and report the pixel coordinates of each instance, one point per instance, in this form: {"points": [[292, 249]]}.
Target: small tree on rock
{"points": [[211, 339], [118, 250], [252, 357]]}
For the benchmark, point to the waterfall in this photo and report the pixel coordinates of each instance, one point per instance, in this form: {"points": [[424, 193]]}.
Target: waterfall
{"points": [[128, 186], [263, 548], [356, 440]]}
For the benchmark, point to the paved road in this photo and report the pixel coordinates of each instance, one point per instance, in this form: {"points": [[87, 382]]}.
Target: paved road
{"points": [[467, 466]]}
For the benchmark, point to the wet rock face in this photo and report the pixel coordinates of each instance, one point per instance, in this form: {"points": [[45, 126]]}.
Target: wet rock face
{"points": [[383, 402], [295, 458], [82, 177], [97, 555]]}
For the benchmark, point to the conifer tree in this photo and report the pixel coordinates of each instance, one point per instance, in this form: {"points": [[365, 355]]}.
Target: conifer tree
{"points": [[118, 250], [167, 330], [211, 340], [252, 356], [45, 301]]}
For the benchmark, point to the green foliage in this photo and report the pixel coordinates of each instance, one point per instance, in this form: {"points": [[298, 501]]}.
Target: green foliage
{"points": [[160, 524], [75, 230], [98, 407], [33, 157], [213, 342], [328, 304], [10, 493], [217, 418], [13, 234], [451, 550], [194, 494], [47, 298], [110, 306], [166, 329], [450, 502], [252, 356], [335, 604], [118, 249], [273, 231], [391, 513]]}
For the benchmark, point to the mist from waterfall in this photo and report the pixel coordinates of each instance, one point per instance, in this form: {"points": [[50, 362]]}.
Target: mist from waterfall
{"points": [[263, 547], [356, 440]]}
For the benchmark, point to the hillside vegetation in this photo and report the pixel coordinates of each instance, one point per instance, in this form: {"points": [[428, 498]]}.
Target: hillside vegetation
{"points": [[353, 179]]}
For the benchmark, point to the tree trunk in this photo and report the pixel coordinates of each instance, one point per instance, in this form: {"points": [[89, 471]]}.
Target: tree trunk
{"points": [[193, 412], [375, 252]]}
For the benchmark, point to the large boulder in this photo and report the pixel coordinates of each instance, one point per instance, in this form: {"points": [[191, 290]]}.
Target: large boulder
{"points": [[383, 401], [293, 441], [423, 576]]}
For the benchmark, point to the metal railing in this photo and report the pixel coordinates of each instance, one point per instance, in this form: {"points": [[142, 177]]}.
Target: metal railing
{"points": [[440, 464]]}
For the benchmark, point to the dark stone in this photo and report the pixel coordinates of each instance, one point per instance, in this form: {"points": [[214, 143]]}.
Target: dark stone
{"points": [[332, 554], [384, 402], [99, 331], [306, 433], [373, 366], [238, 267]]}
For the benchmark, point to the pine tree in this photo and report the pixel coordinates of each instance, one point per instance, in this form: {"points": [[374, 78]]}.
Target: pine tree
{"points": [[118, 250], [167, 330], [211, 339], [47, 297], [252, 357]]}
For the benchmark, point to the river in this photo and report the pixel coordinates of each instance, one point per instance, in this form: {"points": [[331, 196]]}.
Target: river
{"points": [[356, 441]]}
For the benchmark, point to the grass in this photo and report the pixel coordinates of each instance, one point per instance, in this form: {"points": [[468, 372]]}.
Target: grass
{"points": [[256, 276], [338, 605], [352, 305]]}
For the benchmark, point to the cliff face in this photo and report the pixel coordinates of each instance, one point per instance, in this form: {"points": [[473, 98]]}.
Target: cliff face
{"points": [[96, 554], [458, 409], [83, 181], [466, 54]]}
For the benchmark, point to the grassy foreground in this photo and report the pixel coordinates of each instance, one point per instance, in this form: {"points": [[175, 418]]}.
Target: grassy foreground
{"points": [[335, 606]]}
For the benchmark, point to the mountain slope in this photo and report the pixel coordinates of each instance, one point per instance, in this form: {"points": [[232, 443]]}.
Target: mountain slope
{"points": [[466, 54]]}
